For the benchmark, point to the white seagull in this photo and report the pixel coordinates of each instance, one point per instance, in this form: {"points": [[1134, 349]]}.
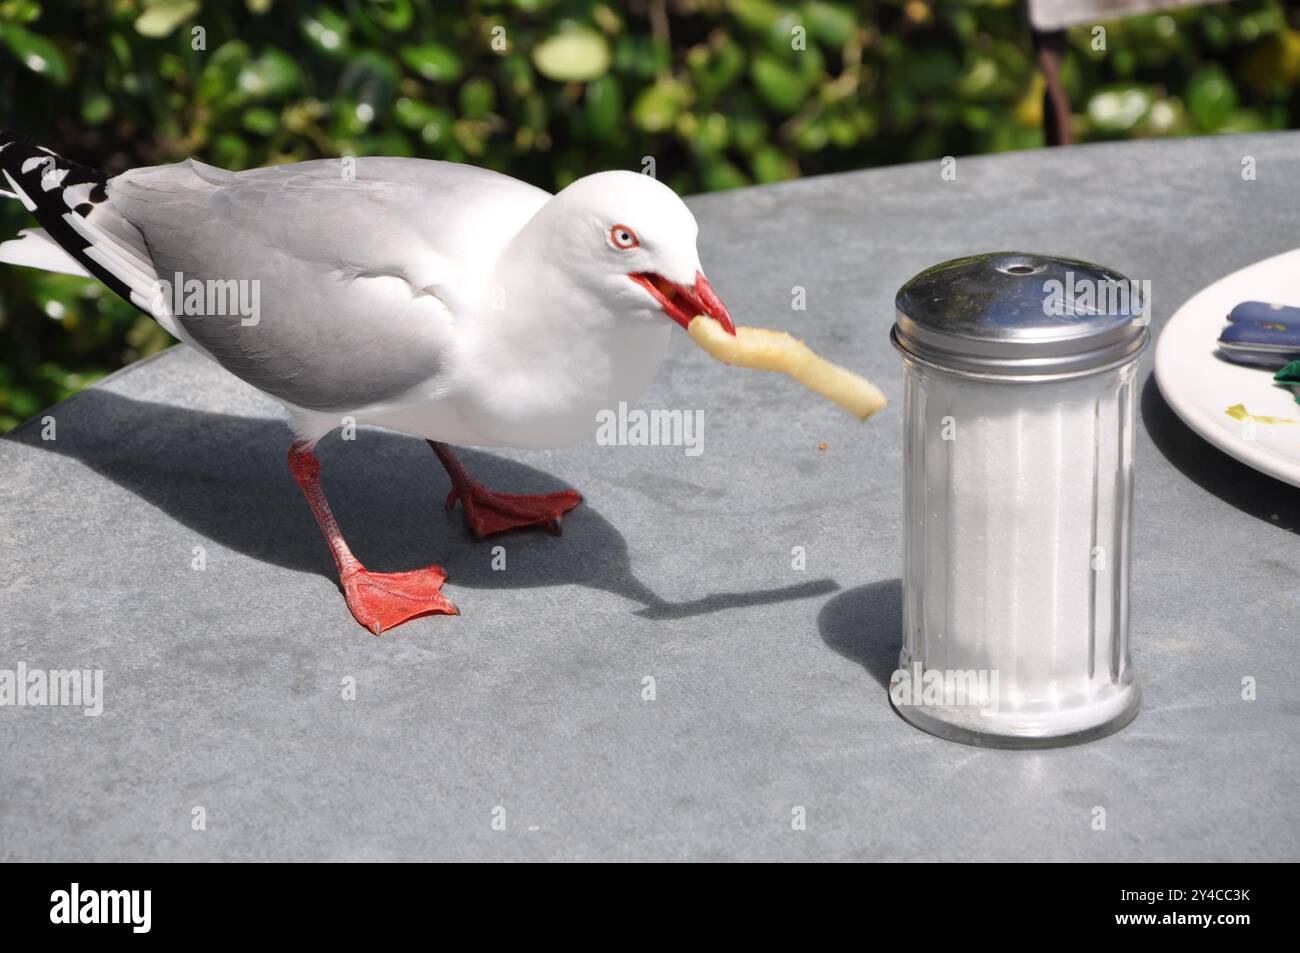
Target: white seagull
{"points": [[441, 300]]}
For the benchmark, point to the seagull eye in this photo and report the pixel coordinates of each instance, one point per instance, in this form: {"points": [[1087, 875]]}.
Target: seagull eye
{"points": [[623, 237]]}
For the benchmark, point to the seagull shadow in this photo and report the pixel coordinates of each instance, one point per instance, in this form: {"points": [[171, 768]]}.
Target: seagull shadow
{"points": [[865, 625], [1250, 491], [225, 477]]}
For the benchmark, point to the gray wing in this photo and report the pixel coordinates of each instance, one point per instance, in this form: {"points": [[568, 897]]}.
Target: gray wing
{"points": [[346, 285]]}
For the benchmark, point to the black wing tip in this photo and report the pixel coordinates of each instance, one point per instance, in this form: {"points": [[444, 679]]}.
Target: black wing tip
{"points": [[54, 188], [24, 147]]}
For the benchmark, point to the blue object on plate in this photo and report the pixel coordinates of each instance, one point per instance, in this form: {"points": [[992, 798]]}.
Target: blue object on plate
{"points": [[1262, 334], [1267, 313]]}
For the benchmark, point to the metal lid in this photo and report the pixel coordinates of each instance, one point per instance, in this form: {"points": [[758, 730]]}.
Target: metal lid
{"points": [[1019, 316]]}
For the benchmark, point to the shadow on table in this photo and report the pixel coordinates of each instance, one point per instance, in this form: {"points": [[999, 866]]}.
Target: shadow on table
{"points": [[1250, 491], [225, 478], [866, 625]]}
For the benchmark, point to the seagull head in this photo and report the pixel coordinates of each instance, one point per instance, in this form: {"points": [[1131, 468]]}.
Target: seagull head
{"points": [[634, 239]]}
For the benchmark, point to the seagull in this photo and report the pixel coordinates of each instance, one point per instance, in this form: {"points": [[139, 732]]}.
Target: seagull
{"points": [[437, 299]]}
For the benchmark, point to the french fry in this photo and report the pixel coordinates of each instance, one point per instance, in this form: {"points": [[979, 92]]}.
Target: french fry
{"points": [[763, 350]]}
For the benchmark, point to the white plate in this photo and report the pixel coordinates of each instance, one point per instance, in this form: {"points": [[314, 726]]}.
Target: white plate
{"points": [[1200, 387]]}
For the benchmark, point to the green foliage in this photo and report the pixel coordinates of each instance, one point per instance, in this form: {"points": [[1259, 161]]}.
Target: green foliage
{"points": [[720, 93]]}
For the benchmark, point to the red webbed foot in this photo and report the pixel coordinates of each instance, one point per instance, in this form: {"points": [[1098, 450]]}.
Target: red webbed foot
{"points": [[378, 600], [488, 512], [382, 600]]}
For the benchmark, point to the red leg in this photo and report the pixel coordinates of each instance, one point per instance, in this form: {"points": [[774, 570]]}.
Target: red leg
{"points": [[379, 601], [488, 512]]}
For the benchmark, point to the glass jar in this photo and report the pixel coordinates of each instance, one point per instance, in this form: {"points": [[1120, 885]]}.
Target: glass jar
{"points": [[1019, 415]]}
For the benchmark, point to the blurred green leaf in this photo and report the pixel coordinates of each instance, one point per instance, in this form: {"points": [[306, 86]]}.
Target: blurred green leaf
{"points": [[716, 69], [780, 86], [771, 165], [655, 110], [604, 106], [711, 134], [477, 98], [1118, 110], [813, 135], [830, 23], [218, 80], [719, 174], [394, 15], [431, 123], [1211, 97], [96, 107], [643, 57], [758, 15], [370, 79], [35, 52], [575, 54], [263, 122], [327, 31], [19, 11], [161, 17], [433, 61], [271, 75]]}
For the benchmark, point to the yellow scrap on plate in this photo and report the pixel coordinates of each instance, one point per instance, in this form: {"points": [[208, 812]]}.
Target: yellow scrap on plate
{"points": [[764, 350], [1239, 412]]}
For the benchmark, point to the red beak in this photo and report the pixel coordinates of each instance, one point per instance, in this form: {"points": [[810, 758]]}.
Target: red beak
{"points": [[681, 303]]}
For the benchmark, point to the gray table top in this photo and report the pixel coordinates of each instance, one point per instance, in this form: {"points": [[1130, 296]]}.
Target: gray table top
{"points": [[223, 688]]}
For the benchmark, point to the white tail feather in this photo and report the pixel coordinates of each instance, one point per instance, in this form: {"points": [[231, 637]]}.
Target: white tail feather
{"points": [[35, 249]]}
